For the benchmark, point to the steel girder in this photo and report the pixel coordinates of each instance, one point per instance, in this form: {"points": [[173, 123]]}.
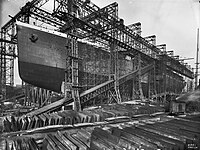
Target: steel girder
{"points": [[105, 21]]}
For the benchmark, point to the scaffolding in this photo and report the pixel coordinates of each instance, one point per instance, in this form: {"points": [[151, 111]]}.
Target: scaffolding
{"points": [[98, 74]]}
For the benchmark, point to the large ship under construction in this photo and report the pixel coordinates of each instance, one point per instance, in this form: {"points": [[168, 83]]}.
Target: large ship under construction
{"points": [[42, 62], [92, 83]]}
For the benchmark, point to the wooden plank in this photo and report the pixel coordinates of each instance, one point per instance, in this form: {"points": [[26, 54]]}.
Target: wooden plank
{"points": [[163, 136], [175, 129], [167, 131], [66, 141], [134, 140], [50, 107], [185, 127], [77, 143], [152, 138]]}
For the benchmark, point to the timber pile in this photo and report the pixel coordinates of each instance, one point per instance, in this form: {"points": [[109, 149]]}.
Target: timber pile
{"points": [[69, 117], [19, 143], [172, 134]]}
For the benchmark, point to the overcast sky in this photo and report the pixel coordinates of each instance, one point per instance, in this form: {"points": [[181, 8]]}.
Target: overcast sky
{"points": [[174, 22]]}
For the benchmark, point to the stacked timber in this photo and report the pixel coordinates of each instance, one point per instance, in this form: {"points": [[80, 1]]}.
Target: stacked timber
{"points": [[147, 134], [107, 127], [20, 143], [70, 117]]}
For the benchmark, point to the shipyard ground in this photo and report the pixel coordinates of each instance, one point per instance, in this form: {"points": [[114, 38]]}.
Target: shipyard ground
{"points": [[126, 126]]}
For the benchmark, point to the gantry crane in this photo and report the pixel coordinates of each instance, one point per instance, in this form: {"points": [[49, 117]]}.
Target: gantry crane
{"points": [[84, 20]]}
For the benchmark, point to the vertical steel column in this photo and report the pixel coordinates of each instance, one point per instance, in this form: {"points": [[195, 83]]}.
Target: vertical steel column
{"points": [[3, 64], [12, 51], [114, 70], [137, 82], [197, 60], [152, 83], [75, 83], [140, 78], [71, 74], [164, 75], [154, 80], [117, 77], [71, 88], [133, 84]]}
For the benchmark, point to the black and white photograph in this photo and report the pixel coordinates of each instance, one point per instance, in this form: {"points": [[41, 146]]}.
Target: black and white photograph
{"points": [[99, 75]]}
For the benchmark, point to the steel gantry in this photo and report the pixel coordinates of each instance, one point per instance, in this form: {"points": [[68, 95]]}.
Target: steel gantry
{"points": [[81, 19], [126, 39]]}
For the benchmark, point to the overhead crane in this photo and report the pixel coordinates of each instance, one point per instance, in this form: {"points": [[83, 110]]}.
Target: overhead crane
{"points": [[101, 23], [125, 38]]}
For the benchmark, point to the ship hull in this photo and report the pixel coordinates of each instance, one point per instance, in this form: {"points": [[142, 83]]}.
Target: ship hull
{"points": [[42, 56], [42, 76], [42, 60]]}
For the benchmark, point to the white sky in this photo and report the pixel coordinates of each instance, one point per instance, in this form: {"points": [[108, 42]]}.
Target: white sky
{"points": [[174, 22]]}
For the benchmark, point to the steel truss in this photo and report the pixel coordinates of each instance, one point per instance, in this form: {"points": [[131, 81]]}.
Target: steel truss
{"points": [[101, 24], [84, 20]]}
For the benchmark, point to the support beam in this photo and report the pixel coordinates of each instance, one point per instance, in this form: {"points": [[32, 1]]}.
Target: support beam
{"points": [[197, 60], [71, 74]]}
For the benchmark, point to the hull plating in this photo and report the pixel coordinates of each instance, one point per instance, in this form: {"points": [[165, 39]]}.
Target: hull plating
{"points": [[41, 75], [41, 57]]}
